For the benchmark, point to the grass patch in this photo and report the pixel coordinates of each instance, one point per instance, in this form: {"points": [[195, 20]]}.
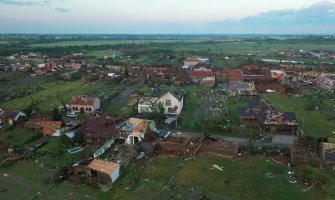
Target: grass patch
{"points": [[19, 137], [188, 115], [55, 92], [243, 179]]}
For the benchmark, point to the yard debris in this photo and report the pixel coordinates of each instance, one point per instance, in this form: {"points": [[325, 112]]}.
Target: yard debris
{"points": [[290, 180], [5, 175], [217, 167], [310, 187], [75, 150]]}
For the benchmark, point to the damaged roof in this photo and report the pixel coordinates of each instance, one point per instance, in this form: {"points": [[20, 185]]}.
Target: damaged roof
{"points": [[262, 111], [104, 166], [83, 100], [13, 114], [100, 126], [50, 127], [135, 126]]}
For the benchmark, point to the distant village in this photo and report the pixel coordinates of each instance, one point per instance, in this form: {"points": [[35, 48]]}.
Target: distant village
{"points": [[117, 141]]}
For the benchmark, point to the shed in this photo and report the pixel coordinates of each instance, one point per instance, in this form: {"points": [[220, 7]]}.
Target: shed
{"points": [[105, 172]]}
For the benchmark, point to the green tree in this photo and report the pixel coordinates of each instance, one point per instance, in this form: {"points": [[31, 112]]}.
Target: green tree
{"points": [[56, 116]]}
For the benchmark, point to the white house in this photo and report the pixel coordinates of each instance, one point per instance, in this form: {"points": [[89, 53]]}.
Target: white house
{"points": [[172, 103], [83, 104]]}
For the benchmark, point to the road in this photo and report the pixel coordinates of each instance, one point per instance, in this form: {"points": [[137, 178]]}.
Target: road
{"points": [[240, 140]]}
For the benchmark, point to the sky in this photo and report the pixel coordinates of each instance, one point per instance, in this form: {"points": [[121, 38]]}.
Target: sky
{"points": [[168, 16]]}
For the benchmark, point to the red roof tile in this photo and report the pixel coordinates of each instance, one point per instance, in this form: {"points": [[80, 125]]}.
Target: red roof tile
{"points": [[50, 127], [191, 60], [82, 100], [201, 74], [235, 74]]}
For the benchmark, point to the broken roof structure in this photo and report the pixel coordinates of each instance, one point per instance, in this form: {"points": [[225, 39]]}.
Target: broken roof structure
{"points": [[135, 126], [100, 126], [134, 129], [50, 127], [148, 100], [266, 114], [83, 100], [104, 166], [13, 114]]}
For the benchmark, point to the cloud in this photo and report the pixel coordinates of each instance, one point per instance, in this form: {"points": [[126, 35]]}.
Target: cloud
{"points": [[317, 15], [43, 3], [62, 10], [25, 3]]}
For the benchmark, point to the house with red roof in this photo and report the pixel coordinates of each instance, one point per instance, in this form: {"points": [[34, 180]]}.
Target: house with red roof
{"points": [[156, 71], [278, 74], [253, 73], [204, 78], [235, 76], [84, 104], [229, 76]]}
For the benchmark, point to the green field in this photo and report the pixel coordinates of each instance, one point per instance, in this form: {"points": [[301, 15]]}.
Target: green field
{"points": [[107, 42], [19, 137], [314, 122], [255, 47], [162, 178], [56, 92]]}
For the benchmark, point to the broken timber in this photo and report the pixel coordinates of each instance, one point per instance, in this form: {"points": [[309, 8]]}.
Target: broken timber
{"points": [[104, 148]]}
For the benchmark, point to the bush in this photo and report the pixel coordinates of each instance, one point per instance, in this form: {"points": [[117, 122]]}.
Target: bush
{"points": [[66, 142]]}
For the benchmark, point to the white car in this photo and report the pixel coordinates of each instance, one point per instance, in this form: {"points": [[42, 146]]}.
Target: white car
{"points": [[72, 114]]}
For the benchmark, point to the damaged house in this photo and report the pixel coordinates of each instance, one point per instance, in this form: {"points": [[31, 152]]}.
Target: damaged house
{"points": [[171, 101], [103, 172], [260, 113], [206, 79], [134, 129], [328, 151], [242, 89], [8, 118], [325, 83], [98, 131], [85, 105]]}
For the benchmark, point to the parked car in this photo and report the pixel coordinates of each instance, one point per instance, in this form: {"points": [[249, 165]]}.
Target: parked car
{"points": [[72, 114]]}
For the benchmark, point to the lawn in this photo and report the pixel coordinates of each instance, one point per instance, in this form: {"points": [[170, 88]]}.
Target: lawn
{"points": [[120, 109], [161, 177], [55, 92], [314, 122], [242, 179], [19, 137]]}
